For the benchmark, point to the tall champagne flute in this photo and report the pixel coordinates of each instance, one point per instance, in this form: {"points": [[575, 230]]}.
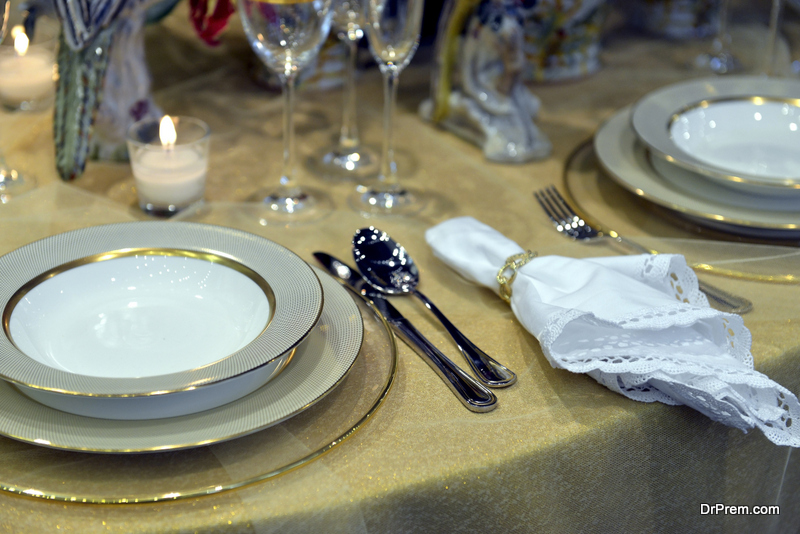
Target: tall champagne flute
{"points": [[12, 183], [393, 28], [349, 158], [287, 35]]}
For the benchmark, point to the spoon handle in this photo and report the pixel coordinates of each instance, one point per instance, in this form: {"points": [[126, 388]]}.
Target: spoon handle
{"points": [[469, 391], [488, 371]]}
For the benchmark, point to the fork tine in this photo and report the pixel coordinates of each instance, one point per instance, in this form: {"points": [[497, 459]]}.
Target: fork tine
{"points": [[545, 206], [556, 214], [563, 215], [552, 210], [580, 226], [562, 204]]}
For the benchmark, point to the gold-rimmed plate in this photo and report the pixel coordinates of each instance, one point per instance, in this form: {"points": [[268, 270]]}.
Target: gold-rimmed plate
{"points": [[320, 363], [740, 131], [288, 303], [626, 160]]}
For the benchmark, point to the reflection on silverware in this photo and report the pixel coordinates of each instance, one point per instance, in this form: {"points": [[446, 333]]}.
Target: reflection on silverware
{"points": [[471, 393], [570, 224], [388, 268]]}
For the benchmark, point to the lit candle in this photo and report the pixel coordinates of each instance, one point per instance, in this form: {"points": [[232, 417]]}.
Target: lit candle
{"points": [[26, 73], [170, 172]]}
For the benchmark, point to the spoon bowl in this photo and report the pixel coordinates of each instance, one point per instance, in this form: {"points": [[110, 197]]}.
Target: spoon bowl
{"points": [[388, 267]]}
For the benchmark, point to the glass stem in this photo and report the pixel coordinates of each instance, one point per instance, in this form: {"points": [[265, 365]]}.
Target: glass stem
{"points": [[349, 134], [288, 185], [721, 41], [388, 175], [772, 37]]}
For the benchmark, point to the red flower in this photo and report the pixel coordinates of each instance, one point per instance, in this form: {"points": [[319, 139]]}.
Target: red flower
{"points": [[208, 27]]}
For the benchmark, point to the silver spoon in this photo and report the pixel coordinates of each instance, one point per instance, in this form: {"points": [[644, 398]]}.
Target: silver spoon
{"points": [[388, 268]]}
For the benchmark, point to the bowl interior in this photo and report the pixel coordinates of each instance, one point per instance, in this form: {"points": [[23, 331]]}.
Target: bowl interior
{"points": [[754, 136], [140, 315]]}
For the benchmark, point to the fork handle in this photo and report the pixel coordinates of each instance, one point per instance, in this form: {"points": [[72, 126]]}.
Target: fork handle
{"points": [[726, 302], [488, 371]]}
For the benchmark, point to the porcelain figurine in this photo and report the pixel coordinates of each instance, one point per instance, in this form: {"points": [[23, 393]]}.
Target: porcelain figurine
{"points": [[478, 91]]}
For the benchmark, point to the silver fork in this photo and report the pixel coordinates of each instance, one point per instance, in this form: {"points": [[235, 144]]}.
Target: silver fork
{"points": [[569, 223]]}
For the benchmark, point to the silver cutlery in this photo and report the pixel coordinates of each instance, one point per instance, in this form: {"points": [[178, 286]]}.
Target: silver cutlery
{"points": [[474, 396], [388, 268], [569, 223]]}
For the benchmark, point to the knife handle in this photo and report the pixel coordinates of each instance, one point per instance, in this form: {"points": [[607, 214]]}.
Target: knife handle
{"points": [[474, 396]]}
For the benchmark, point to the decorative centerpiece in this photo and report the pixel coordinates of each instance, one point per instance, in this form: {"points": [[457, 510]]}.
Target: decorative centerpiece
{"points": [[477, 87]]}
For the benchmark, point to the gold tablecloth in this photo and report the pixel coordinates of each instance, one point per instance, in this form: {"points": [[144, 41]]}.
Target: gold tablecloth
{"points": [[561, 453]]}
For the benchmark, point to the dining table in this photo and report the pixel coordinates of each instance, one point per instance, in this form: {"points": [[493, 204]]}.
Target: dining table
{"points": [[560, 453]]}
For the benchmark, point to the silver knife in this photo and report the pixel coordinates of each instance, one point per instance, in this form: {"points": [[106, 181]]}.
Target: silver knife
{"points": [[473, 395]]}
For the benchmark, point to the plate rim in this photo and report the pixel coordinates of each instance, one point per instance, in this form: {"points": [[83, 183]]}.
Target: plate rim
{"points": [[616, 134], [654, 113], [250, 250], [338, 296]]}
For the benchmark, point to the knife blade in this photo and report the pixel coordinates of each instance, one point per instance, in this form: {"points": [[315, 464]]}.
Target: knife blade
{"points": [[473, 395]]}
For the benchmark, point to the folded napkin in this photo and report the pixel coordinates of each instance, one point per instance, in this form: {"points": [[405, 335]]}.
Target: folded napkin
{"points": [[636, 324]]}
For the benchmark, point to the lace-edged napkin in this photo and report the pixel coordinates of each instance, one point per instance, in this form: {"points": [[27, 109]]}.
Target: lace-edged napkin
{"points": [[636, 324]]}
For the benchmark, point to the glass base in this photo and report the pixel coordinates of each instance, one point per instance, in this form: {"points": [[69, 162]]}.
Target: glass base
{"points": [[342, 163], [13, 184], [305, 207], [718, 63], [371, 202], [165, 212]]}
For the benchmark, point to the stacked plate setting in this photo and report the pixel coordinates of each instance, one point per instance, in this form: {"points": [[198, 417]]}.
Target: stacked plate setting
{"points": [[722, 151], [151, 336]]}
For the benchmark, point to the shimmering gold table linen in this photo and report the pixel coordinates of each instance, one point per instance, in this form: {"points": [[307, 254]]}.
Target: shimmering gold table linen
{"points": [[560, 453]]}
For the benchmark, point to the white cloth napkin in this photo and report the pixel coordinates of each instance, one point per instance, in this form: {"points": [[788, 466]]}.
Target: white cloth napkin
{"points": [[636, 324]]}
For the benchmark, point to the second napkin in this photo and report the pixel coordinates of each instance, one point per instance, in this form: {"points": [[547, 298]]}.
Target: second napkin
{"points": [[636, 324]]}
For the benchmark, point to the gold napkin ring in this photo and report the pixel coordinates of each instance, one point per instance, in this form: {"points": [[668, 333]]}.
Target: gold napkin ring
{"points": [[514, 263]]}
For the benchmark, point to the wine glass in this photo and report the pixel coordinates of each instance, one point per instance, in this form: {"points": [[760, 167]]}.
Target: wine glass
{"points": [[720, 60], [12, 183], [287, 35], [349, 158], [393, 28]]}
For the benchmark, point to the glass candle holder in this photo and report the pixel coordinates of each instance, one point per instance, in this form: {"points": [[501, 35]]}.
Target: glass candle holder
{"points": [[170, 175], [28, 69]]}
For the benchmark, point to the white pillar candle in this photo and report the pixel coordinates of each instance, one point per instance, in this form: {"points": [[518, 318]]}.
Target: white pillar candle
{"points": [[26, 73]]}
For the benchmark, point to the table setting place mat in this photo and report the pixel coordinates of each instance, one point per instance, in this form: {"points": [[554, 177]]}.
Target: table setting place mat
{"points": [[636, 324], [335, 379]]}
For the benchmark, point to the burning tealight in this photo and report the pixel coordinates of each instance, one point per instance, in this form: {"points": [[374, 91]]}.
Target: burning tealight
{"points": [[27, 73], [169, 160]]}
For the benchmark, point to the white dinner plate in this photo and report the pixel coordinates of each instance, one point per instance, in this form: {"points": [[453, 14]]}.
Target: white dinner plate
{"points": [[626, 161], [319, 365], [741, 131], [151, 319]]}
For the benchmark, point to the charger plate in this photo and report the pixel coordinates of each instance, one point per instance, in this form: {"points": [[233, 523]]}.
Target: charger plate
{"points": [[713, 205], [209, 469]]}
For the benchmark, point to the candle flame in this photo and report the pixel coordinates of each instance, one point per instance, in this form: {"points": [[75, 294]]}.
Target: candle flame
{"points": [[20, 41], [167, 133]]}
